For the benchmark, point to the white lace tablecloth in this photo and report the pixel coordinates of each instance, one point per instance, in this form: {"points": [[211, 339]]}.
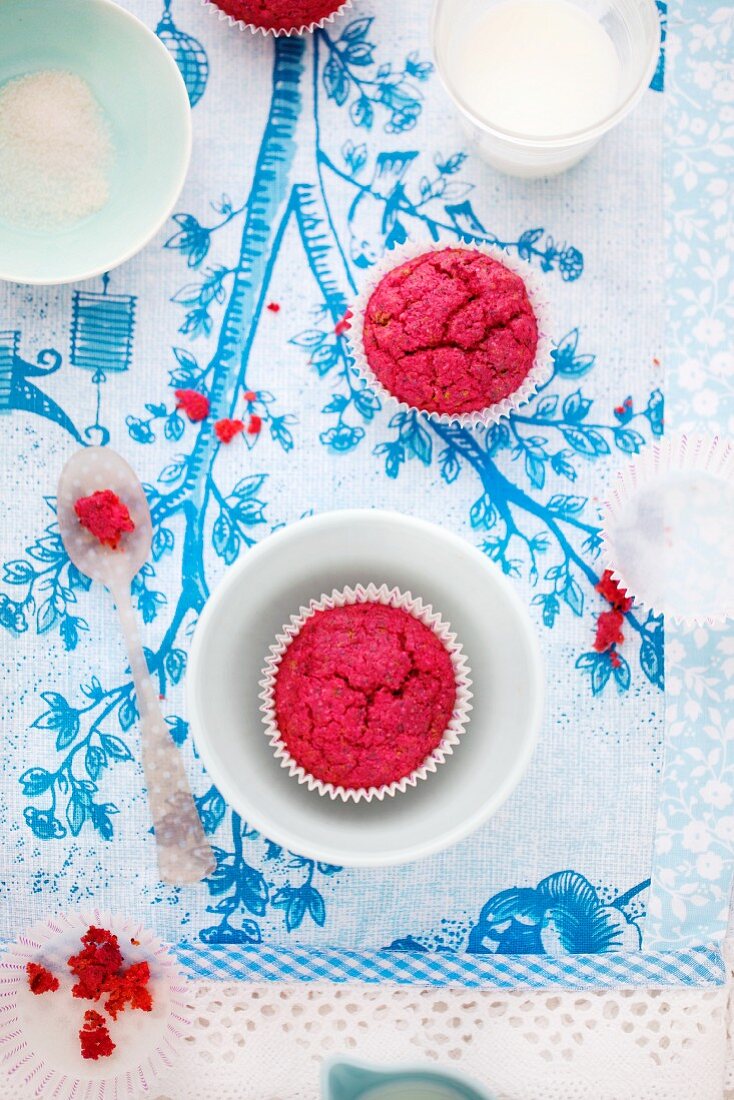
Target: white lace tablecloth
{"points": [[266, 1043], [255, 1042]]}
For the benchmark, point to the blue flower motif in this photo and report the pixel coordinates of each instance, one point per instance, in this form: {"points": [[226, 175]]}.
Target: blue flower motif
{"points": [[11, 615], [44, 824], [571, 264], [562, 915], [192, 239]]}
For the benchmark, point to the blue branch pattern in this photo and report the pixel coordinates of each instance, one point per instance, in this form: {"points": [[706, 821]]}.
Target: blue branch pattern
{"points": [[553, 543]]}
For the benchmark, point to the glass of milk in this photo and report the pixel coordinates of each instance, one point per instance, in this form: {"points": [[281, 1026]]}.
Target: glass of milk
{"points": [[538, 82]]}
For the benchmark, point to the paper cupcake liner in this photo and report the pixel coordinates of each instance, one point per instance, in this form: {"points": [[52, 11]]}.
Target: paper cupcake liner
{"points": [[540, 372], [39, 1035], [668, 529], [391, 597], [255, 29]]}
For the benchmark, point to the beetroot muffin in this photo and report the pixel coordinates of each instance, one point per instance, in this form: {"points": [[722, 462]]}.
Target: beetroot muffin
{"points": [[452, 331], [280, 15], [363, 695]]}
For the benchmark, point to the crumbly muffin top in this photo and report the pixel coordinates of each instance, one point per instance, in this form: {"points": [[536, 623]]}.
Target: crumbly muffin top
{"points": [[363, 695], [452, 331]]}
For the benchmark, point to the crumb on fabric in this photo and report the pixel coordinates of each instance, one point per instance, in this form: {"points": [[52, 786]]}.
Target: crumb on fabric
{"points": [[194, 404], [227, 430], [609, 588], [608, 630]]}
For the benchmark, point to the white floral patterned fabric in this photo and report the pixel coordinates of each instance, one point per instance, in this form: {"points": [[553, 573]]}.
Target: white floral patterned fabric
{"points": [[694, 845]]}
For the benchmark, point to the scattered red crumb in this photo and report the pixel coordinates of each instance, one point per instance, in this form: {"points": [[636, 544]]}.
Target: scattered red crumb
{"points": [[344, 325], [227, 429], [364, 694], [451, 331], [96, 964], [94, 1037], [98, 968], [40, 980], [105, 516], [130, 987], [608, 630], [193, 403], [612, 593], [614, 659], [656, 361], [255, 425], [250, 396], [273, 307]]}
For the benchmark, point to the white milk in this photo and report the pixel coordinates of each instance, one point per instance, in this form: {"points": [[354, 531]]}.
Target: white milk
{"points": [[537, 67]]}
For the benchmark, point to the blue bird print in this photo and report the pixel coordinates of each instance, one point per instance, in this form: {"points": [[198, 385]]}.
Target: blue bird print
{"points": [[373, 214]]}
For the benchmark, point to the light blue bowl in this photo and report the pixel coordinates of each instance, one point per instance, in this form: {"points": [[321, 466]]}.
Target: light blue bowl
{"points": [[140, 89], [357, 1081]]}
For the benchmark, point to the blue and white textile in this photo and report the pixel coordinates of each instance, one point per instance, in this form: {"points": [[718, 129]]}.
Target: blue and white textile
{"points": [[311, 159]]}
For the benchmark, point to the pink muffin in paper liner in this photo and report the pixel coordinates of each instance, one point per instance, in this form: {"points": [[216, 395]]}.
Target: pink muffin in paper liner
{"points": [[39, 1034], [459, 333], [365, 693], [279, 16]]}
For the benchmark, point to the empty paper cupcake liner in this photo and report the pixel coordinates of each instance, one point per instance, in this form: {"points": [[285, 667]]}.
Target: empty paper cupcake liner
{"points": [[39, 1035], [668, 529], [255, 29], [391, 597], [540, 372]]}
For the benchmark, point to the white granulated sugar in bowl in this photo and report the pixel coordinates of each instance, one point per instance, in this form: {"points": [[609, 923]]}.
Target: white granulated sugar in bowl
{"points": [[56, 151]]}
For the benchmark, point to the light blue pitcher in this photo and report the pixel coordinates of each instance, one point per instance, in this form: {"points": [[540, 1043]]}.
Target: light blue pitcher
{"points": [[355, 1081]]}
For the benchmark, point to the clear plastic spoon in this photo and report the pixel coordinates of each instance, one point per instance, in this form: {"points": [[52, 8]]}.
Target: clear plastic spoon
{"points": [[184, 854]]}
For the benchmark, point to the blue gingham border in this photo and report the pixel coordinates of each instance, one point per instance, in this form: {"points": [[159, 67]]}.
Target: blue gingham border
{"points": [[694, 966]]}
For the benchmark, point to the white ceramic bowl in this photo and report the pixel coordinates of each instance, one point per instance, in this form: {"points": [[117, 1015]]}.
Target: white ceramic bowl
{"points": [[333, 550], [138, 86]]}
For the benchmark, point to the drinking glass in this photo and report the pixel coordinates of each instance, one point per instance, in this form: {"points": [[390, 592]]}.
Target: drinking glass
{"points": [[632, 25]]}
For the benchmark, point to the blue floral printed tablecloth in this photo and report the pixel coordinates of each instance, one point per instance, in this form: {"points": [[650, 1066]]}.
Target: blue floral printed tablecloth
{"points": [[311, 159]]}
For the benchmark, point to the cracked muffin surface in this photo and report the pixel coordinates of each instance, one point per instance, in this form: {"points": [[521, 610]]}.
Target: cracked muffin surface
{"points": [[363, 695], [452, 331], [279, 15]]}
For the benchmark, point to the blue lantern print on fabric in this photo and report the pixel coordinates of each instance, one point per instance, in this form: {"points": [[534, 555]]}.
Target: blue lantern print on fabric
{"points": [[102, 327], [9, 342], [562, 915], [187, 52]]}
